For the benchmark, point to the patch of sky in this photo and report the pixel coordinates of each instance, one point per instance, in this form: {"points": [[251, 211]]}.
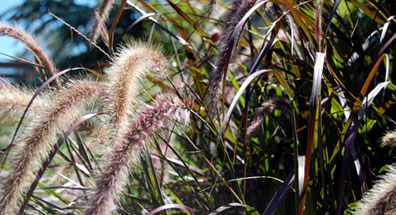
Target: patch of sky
{"points": [[8, 45], [13, 47]]}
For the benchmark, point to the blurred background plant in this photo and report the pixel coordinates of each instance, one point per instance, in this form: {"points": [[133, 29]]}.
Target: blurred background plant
{"points": [[290, 100]]}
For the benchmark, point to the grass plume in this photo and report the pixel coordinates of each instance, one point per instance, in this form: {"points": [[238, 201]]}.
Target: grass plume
{"points": [[13, 102], [114, 174], [35, 143], [32, 45], [390, 139], [237, 10], [131, 62], [259, 117], [381, 199], [101, 15]]}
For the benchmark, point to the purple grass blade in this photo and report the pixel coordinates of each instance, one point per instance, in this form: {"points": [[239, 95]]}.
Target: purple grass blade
{"points": [[318, 20], [314, 108], [386, 45], [359, 170], [64, 187], [385, 28], [350, 142], [301, 174], [236, 99], [59, 209], [254, 66], [387, 63], [280, 194], [343, 102], [333, 11]]}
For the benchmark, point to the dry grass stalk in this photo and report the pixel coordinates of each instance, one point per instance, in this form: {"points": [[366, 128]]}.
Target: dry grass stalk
{"points": [[32, 45], [109, 183], [101, 15], [36, 142]]}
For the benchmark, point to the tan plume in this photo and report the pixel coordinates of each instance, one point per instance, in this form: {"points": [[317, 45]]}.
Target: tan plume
{"points": [[35, 143]]}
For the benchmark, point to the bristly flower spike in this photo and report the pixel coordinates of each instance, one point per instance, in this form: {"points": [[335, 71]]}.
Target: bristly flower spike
{"points": [[101, 15], [32, 45], [31, 148], [114, 174], [390, 139], [13, 102], [381, 199], [238, 9], [130, 63]]}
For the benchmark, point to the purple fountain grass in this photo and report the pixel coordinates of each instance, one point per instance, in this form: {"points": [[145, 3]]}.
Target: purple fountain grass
{"points": [[65, 108], [13, 102], [130, 63], [381, 199], [32, 45], [237, 10], [101, 15], [111, 180]]}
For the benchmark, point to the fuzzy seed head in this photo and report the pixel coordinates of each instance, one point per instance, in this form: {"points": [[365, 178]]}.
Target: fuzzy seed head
{"points": [[130, 64], [237, 11], [111, 180], [37, 140], [101, 14], [390, 139], [32, 45], [14, 100], [381, 199]]}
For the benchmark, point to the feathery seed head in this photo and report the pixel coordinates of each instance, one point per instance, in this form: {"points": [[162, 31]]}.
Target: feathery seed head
{"points": [[32, 45], [141, 54], [390, 139], [265, 109], [237, 11], [13, 101], [101, 14], [131, 62], [381, 199], [113, 177], [36, 142]]}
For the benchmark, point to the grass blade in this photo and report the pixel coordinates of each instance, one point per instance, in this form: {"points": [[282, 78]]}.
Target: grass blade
{"points": [[280, 194], [350, 142], [313, 121]]}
